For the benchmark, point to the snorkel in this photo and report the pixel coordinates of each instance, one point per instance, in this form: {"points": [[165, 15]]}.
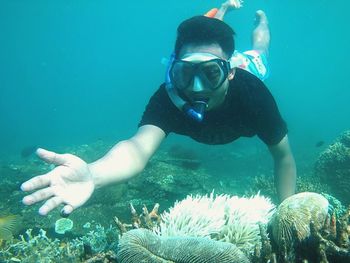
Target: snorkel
{"points": [[194, 110]]}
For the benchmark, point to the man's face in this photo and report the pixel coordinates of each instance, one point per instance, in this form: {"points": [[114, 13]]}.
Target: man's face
{"points": [[198, 89]]}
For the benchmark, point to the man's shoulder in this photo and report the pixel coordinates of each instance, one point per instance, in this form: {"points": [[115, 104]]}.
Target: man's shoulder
{"points": [[161, 91], [159, 110], [250, 91], [160, 96], [242, 75], [246, 83]]}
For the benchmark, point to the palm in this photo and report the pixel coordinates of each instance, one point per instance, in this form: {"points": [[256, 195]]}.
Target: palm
{"points": [[70, 183]]}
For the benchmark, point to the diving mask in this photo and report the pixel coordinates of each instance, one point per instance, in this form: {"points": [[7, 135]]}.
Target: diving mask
{"points": [[211, 70]]}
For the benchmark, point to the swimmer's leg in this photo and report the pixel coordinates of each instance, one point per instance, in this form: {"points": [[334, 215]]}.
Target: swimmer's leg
{"points": [[261, 33]]}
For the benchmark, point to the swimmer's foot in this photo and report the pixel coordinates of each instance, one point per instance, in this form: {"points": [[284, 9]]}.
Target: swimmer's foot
{"points": [[260, 18], [227, 6], [234, 4]]}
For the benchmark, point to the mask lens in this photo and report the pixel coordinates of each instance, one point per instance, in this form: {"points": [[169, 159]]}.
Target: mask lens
{"points": [[212, 73], [182, 74]]}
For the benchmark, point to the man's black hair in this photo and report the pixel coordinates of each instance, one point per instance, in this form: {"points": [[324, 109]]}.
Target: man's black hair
{"points": [[201, 30]]}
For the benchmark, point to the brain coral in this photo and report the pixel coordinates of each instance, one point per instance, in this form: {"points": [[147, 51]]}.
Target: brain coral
{"points": [[142, 245], [291, 222]]}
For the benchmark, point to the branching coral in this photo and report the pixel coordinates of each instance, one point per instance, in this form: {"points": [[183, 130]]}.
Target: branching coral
{"points": [[39, 248]]}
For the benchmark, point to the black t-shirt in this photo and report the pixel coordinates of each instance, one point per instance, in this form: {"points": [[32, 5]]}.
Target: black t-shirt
{"points": [[248, 109]]}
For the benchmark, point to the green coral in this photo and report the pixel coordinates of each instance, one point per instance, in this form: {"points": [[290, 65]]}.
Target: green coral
{"points": [[63, 225], [100, 239], [335, 206]]}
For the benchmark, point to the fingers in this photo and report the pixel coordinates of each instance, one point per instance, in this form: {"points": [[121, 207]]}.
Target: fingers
{"points": [[36, 182], [44, 180], [51, 157], [38, 196], [50, 204], [66, 210]]}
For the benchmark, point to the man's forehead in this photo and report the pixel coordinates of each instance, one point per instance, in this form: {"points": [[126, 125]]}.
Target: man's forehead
{"points": [[198, 56], [213, 49]]}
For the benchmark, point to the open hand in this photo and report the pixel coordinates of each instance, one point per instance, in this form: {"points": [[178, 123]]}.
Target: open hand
{"points": [[69, 183]]}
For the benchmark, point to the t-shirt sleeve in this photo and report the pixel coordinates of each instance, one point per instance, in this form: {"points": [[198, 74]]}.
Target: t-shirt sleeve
{"points": [[270, 126], [158, 111]]}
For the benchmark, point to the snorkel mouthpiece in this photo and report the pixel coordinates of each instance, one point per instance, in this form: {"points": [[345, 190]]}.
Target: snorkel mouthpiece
{"points": [[196, 110]]}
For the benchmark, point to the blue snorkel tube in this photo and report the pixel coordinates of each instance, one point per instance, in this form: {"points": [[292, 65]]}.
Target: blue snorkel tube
{"points": [[194, 110]]}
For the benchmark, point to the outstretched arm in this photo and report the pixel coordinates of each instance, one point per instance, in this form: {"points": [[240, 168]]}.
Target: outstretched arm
{"points": [[127, 158], [285, 169], [72, 182]]}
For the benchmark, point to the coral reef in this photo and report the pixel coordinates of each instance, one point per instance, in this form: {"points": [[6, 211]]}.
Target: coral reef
{"points": [[171, 175], [291, 222], [331, 244], [306, 228], [148, 220], [100, 239], [7, 226], [244, 216], [40, 248], [167, 179], [333, 167], [305, 183], [185, 157], [224, 218], [263, 184], [335, 206], [202, 216], [104, 257], [142, 245], [63, 225]]}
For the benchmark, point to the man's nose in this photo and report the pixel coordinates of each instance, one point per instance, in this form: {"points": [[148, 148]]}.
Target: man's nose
{"points": [[197, 84]]}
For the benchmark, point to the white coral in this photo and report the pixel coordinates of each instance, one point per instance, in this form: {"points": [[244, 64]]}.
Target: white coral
{"points": [[227, 218], [200, 216], [243, 219]]}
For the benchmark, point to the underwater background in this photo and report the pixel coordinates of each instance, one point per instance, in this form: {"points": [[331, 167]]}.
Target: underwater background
{"points": [[75, 76], [76, 71]]}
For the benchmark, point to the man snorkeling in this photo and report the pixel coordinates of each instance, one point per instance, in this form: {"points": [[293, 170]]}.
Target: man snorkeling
{"points": [[206, 96]]}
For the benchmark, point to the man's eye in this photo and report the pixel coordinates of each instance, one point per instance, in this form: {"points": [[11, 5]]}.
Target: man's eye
{"points": [[212, 72]]}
